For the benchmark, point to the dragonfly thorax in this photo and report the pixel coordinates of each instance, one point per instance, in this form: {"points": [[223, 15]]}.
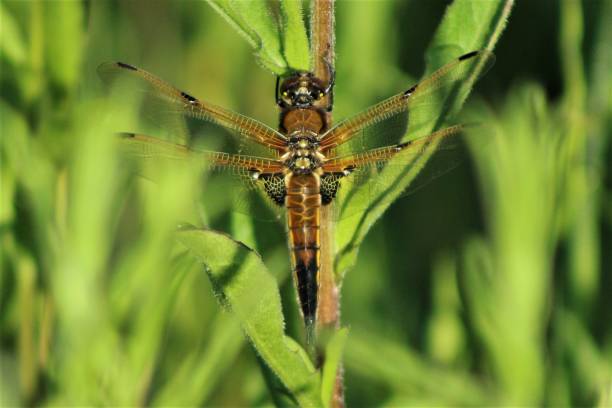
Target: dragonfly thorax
{"points": [[303, 155]]}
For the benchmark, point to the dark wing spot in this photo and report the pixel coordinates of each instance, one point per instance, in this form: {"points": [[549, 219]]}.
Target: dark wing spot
{"points": [[410, 91], [127, 135], [403, 145], [468, 55], [127, 66], [190, 98], [330, 183], [274, 186]]}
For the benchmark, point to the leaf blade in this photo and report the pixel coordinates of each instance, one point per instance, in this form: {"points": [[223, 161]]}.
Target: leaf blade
{"points": [[236, 271], [295, 40], [253, 21]]}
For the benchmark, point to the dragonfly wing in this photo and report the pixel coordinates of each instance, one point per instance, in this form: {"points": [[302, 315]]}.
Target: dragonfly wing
{"points": [[373, 175], [186, 116], [233, 181], [412, 113]]}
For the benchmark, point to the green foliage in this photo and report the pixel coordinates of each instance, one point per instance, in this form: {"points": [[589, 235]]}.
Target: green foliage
{"points": [[520, 181], [333, 358], [101, 303], [411, 377], [244, 285], [11, 41], [295, 41], [255, 22], [451, 40]]}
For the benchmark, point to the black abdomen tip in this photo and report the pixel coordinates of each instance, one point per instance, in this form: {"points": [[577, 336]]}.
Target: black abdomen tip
{"points": [[308, 288]]}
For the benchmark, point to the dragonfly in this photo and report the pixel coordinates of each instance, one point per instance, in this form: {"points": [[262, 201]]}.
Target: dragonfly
{"points": [[302, 165]]}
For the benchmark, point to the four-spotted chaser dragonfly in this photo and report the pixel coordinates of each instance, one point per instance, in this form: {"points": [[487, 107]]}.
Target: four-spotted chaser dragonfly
{"points": [[307, 161]]}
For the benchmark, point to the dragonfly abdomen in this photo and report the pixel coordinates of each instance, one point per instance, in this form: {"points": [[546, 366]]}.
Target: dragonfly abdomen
{"points": [[303, 203]]}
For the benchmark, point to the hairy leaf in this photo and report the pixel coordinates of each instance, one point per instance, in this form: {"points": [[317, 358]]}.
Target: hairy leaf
{"points": [[295, 40], [245, 286], [254, 21]]}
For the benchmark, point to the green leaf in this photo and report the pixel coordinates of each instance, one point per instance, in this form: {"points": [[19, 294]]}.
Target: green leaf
{"points": [[247, 288], [26, 273], [295, 40], [403, 370], [333, 357], [253, 20], [24, 158], [64, 54], [510, 273], [197, 377], [581, 137], [14, 155], [12, 46], [467, 25]]}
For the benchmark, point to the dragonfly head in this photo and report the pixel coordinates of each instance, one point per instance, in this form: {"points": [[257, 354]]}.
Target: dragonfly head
{"points": [[301, 90]]}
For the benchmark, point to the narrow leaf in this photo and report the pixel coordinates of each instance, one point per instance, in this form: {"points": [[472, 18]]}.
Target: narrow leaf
{"points": [[295, 40], [64, 54], [247, 288], [254, 21], [12, 46]]}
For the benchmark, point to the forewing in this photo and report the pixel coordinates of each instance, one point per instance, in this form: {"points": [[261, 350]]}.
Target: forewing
{"points": [[412, 113], [230, 182], [186, 117]]}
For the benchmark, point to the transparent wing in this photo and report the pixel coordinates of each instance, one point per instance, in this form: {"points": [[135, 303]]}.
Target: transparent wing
{"points": [[412, 113], [236, 182], [367, 177], [186, 116]]}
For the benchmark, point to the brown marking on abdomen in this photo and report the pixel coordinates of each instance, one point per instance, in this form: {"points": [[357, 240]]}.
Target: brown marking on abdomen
{"points": [[303, 202]]}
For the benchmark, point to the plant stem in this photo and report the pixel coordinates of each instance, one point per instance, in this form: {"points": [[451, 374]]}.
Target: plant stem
{"points": [[322, 37], [323, 55]]}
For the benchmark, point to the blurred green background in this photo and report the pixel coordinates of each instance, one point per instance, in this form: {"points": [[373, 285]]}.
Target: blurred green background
{"points": [[491, 285]]}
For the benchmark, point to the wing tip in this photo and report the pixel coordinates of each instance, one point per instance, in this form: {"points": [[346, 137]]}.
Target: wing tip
{"points": [[469, 55], [484, 54], [126, 66]]}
